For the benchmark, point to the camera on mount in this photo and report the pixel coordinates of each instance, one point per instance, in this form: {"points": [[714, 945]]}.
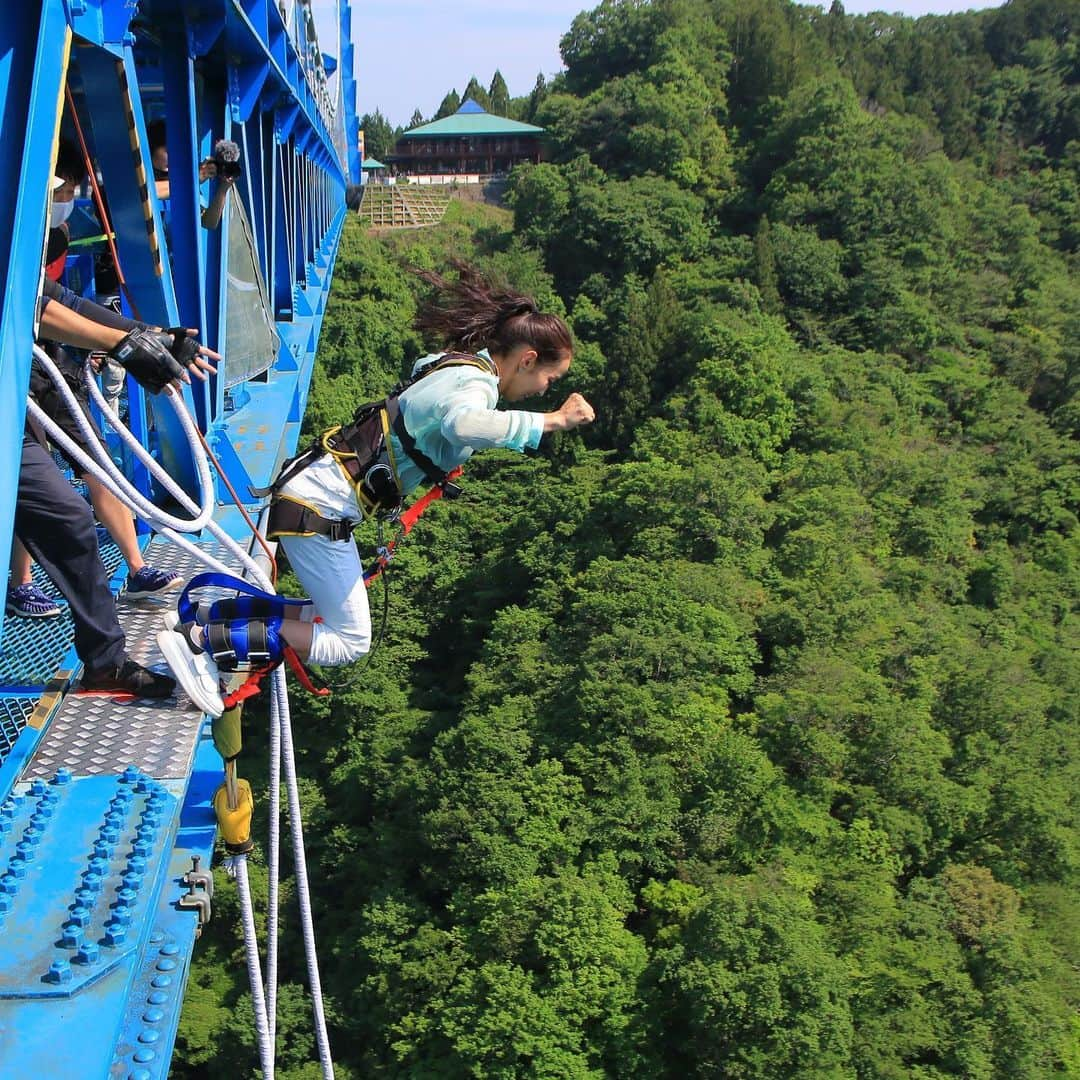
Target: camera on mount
{"points": [[226, 160]]}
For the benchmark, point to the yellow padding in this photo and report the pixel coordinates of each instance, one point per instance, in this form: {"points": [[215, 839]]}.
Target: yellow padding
{"points": [[235, 825], [226, 728]]}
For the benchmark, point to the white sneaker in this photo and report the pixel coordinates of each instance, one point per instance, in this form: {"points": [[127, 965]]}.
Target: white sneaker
{"points": [[196, 672]]}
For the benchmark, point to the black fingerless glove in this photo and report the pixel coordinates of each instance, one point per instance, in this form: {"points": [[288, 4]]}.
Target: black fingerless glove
{"points": [[182, 345], [146, 357]]}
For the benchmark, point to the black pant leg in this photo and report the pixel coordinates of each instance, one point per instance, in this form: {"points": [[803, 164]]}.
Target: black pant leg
{"points": [[57, 528]]}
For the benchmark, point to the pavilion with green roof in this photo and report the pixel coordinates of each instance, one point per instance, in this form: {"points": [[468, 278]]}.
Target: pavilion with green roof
{"points": [[471, 141]]}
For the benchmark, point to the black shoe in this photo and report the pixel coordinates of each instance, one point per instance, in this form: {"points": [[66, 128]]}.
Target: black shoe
{"points": [[130, 678]]}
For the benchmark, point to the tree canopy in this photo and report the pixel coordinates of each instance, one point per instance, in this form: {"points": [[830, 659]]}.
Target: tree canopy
{"points": [[736, 734]]}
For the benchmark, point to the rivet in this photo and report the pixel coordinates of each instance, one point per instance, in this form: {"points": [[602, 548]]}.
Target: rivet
{"points": [[166, 965], [170, 950], [158, 997], [153, 1016], [159, 982], [143, 1055], [149, 1035], [157, 937], [141, 1074]]}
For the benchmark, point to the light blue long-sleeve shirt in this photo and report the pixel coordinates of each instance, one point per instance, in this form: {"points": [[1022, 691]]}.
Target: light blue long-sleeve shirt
{"points": [[451, 414]]}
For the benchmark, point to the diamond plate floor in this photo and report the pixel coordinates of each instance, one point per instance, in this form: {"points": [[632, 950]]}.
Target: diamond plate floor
{"points": [[94, 734]]}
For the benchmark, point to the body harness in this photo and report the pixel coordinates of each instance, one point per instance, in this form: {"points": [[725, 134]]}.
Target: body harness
{"points": [[245, 630], [362, 449]]}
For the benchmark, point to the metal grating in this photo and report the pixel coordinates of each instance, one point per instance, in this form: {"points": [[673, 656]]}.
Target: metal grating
{"points": [[93, 734], [14, 712], [34, 648]]}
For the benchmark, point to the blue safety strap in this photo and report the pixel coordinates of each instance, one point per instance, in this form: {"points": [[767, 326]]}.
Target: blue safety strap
{"points": [[265, 604]]}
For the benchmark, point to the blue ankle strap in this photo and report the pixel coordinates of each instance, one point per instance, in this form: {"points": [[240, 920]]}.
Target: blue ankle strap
{"points": [[255, 604]]}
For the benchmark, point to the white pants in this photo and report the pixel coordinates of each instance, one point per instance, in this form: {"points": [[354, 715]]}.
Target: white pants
{"points": [[330, 573]]}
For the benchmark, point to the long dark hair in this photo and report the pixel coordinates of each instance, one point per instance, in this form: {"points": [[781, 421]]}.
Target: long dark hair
{"points": [[470, 312]]}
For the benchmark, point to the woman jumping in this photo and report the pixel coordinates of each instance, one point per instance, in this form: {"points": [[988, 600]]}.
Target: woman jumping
{"points": [[498, 345]]}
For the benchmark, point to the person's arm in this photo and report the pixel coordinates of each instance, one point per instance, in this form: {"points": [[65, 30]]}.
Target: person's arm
{"points": [[211, 216], [196, 357], [63, 324], [471, 419]]}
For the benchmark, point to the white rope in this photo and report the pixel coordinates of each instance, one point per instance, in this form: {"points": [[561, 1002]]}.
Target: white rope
{"points": [[251, 949], [281, 700], [273, 863]]}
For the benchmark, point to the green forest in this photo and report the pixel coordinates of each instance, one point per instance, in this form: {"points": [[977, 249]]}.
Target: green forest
{"points": [[734, 736]]}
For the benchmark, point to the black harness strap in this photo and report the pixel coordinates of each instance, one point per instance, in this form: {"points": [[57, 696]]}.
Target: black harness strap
{"points": [[292, 518]]}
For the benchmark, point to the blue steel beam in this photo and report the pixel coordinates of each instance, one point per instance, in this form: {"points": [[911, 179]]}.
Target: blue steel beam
{"points": [[34, 43]]}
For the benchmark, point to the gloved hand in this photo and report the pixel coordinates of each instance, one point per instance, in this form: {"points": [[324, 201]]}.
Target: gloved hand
{"points": [[147, 358], [181, 344]]}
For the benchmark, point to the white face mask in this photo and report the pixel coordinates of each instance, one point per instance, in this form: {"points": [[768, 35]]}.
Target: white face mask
{"points": [[61, 211]]}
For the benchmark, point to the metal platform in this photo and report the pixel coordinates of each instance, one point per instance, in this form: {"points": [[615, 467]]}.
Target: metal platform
{"points": [[111, 803]]}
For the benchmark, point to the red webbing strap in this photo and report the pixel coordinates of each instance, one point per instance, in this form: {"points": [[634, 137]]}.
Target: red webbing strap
{"points": [[302, 674], [406, 520], [249, 688]]}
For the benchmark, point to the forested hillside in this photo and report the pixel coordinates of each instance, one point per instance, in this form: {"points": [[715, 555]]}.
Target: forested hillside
{"points": [[736, 736]]}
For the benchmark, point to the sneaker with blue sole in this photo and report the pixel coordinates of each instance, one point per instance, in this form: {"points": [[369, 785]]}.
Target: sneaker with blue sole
{"points": [[150, 582], [29, 601]]}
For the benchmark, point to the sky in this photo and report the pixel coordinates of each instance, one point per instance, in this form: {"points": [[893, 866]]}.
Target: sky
{"points": [[409, 53]]}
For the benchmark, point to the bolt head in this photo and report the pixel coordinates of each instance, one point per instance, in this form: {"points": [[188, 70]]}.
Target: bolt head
{"points": [[59, 972], [115, 934], [79, 916], [88, 954]]}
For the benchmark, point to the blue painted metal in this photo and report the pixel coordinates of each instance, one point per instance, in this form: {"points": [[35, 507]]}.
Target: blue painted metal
{"points": [[93, 939], [32, 66]]}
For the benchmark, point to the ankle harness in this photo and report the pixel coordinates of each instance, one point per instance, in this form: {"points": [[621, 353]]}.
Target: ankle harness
{"points": [[243, 633]]}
